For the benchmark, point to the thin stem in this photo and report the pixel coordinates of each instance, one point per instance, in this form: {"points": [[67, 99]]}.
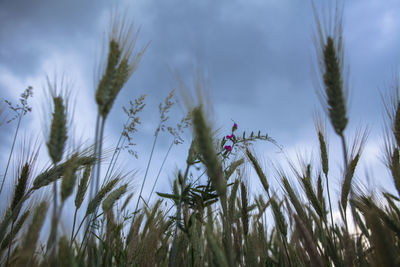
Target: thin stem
{"points": [[52, 241], [11, 152], [198, 178], [286, 249], [166, 213], [97, 180], [84, 236], [55, 200], [332, 233], [159, 171], [116, 153], [10, 242], [113, 162], [344, 148], [83, 240], [345, 219], [145, 175], [93, 174], [79, 228], [73, 227], [345, 156], [99, 155], [330, 209], [329, 198], [227, 229]]}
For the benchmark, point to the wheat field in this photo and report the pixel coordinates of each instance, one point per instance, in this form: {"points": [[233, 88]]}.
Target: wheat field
{"points": [[213, 221]]}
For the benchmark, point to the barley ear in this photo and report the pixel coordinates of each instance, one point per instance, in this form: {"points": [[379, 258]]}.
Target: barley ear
{"points": [[258, 170], [217, 252], [58, 130], [309, 190], [20, 188], [293, 198], [18, 225], [232, 197], [82, 187], [330, 57], [32, 236], [206, 148], [69, 178], [245, 204], [324, 153], [54, 173], [346, 186], [310, 247], [48, 176], [279, 218], [103, 93], [381, 240], [234, 165], [98, 198], [320, 192], [334, 87], [65, 255], [113, 196]]}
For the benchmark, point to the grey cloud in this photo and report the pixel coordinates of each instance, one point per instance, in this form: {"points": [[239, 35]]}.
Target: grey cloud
{"points": [[30, 28], [258, 55]]}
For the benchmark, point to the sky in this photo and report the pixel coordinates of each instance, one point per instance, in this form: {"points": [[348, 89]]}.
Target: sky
{"points": [[257, 56]]}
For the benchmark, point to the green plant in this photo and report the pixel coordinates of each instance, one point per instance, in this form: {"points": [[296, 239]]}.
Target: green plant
{"points": [[214, 219]]}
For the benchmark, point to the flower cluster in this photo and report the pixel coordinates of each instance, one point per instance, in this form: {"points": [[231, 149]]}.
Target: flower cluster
{"points": [[231, 137]]}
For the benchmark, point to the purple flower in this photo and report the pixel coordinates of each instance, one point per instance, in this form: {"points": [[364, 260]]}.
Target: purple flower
{"points": [[234, 127], [228, 148], [229, 137]]}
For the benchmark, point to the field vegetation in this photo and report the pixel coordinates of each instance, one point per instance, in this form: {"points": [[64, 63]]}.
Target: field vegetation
{"points": [[214, 220]]}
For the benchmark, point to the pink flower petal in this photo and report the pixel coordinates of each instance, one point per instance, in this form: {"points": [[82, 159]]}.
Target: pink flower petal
{"points": [[230, 136], [228, 148]]}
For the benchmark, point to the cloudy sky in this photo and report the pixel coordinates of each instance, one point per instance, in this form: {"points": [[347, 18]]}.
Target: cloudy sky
{"points": [[257, 55]]}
